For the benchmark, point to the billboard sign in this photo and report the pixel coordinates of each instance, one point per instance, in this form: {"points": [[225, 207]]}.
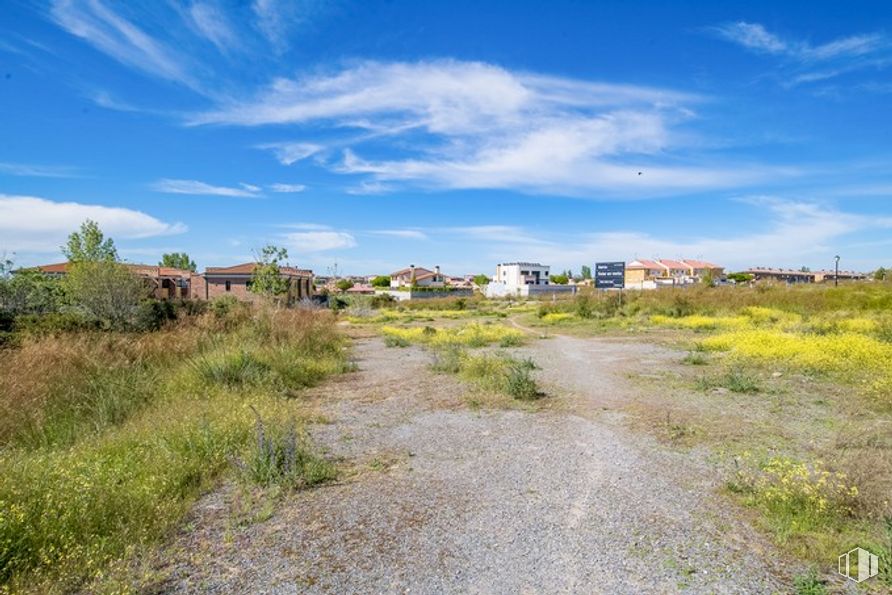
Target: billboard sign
{"points": [[610, 275]]}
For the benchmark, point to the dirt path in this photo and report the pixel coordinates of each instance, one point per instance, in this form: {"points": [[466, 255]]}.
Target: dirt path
{"points": [[457, 501]]}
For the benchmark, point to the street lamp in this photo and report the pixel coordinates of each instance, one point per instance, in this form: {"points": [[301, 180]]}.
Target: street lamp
{"points": [[836, 275]]}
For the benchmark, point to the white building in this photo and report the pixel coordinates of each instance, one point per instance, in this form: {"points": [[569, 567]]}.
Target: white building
{"points": [[523, 279]]}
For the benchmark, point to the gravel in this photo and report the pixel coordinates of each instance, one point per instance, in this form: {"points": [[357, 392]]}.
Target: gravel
{"points": [[504, 501]]}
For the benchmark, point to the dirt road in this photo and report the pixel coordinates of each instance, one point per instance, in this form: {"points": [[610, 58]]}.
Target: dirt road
{"points": [[460, 501]]}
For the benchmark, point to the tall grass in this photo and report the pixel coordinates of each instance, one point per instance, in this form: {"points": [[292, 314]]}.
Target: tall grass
{"points": [[113, 436], [469, 335]]}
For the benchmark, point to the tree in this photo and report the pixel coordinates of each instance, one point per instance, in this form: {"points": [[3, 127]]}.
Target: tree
{"points": [[178, 260], [880, 274], [480, 280], [381, 281], [344, 284], [740, 277], [561, 279], [586, 272], [267, 279], [106, 292], [89, 245]]}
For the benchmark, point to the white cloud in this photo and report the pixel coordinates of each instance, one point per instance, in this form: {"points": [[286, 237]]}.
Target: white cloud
{"points": [[291, 152], [287, 188], [409, 234], [33, 224], [318, 241], [171, 186], [38, 171], [844, 54], [795, 233], [474, 125], [212, 24], [117, 37], [753, 36]]}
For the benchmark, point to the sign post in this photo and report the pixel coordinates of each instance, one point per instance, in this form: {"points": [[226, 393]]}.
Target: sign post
{"points": [[611, 275]]}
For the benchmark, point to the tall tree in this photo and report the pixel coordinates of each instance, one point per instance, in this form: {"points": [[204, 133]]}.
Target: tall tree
{"points": [[481, 280], [89, 244], [586, 272], [381, 281], [178, 260], [267, 279]]}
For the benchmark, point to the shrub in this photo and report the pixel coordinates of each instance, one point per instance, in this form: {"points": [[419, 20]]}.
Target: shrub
{"points": [[382, 300], [584, 308], [280, 457], [105, 292], [153, 314], [519, 383]]}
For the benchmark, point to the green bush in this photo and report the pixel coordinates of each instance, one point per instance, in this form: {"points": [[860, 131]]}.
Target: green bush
{"points": [[280, 457], [519, 383], [153, 314], [51, 324]]}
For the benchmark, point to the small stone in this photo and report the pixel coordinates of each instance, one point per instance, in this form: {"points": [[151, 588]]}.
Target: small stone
{"points": [[777, 374]]}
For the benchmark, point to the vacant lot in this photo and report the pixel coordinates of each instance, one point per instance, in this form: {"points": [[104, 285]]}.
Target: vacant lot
{"points": [[700, 442]]}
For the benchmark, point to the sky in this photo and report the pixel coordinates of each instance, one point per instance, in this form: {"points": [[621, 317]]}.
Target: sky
{"points": [[367, 136]]}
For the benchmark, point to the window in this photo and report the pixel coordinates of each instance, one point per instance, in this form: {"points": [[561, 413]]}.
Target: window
{"points": [[228, 286]]}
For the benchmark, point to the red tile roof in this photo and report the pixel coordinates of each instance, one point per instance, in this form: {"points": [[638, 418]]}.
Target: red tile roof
{"points": [[701, 264], [61, 268], [408, 271], [643, 263], [247, 268]]}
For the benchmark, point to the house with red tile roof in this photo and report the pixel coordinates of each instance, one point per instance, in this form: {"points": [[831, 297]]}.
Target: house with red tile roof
{"points": [[165, 282], [418, 277], [644, 273], [236, 281]]}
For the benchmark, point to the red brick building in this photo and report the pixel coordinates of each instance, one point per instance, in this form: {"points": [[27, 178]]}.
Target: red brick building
{"points": [[166, 283], [236, 281]]}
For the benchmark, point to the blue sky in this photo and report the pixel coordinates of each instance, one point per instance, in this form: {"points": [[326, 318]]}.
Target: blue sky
{"points": [[378, 134]]}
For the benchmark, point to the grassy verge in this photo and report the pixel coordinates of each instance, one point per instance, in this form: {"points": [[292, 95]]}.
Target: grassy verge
{"points": [[107, 439], [469, 335], [496, 372]]}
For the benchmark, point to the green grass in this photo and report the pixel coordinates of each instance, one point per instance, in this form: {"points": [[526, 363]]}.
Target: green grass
{"points": [[491, 371], [734, 380], [119, 435]]}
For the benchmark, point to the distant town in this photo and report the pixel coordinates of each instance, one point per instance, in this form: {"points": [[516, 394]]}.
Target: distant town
{"points": [[510, 279]]}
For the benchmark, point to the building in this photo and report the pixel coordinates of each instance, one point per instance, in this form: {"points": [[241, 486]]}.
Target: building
{"points": [[417, 277], [649, 274], [166, 283], [791, 276], [523, 279], [236, 281]]}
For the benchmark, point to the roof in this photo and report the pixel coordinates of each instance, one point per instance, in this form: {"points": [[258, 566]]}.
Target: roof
{"points": [[643, 263], [701, 264], [407, 271], [674, 264], [247, 268], [61, 268]]}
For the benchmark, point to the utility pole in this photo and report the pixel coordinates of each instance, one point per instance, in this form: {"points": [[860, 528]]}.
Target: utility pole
{"points": [[836, 274]]}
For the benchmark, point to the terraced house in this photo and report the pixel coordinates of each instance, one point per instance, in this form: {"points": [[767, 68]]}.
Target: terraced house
{"points": [[647, 274]]}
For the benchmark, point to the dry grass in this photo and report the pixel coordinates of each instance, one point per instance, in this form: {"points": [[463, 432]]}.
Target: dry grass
{"points": [[113, 436]]}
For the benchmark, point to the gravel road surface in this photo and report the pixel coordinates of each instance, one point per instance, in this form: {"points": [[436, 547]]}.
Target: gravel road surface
{"points": [[454, 500]]}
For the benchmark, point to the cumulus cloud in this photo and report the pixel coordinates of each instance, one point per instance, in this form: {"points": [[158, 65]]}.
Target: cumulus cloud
{"points": [[172, 186], [33, 224]]}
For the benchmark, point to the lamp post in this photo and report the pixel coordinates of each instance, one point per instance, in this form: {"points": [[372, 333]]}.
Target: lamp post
{"points": [[836, 274]]}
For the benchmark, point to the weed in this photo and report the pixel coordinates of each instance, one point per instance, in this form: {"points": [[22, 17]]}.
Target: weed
{"points": [[809, 583], [279, 457], [736, 381], [695, 358], [520, 384]]}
